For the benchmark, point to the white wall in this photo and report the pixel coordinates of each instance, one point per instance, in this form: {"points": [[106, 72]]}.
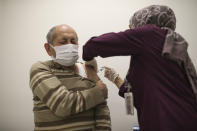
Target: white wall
{"points": [[25, 24], [1, 13]]}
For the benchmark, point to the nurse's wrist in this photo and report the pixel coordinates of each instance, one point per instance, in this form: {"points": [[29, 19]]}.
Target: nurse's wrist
{"points": [[118, 81]]}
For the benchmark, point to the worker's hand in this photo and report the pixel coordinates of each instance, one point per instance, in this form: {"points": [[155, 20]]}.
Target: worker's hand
{"points": [[92, 64], [103, 88], [110, 74]]}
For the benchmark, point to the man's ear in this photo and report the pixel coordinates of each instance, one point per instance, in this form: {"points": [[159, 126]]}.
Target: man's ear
{"points": [[48, 49]]}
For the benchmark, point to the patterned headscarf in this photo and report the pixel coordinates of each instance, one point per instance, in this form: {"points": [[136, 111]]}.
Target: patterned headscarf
{"points": [[175, 46], [161, 16]]}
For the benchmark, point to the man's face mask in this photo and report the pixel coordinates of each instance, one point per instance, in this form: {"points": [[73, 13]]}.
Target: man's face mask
{"points": [[66, 55]]}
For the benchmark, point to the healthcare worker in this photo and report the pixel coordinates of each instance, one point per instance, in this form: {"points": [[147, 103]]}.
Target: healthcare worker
{"points": [[161, 76]]}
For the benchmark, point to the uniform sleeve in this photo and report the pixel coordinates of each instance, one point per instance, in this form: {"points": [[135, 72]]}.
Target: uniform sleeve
{"points": [[57, 97], [102, 118], [129, 42]]}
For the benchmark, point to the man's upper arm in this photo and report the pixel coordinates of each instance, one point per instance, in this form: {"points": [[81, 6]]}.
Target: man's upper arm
{"points": [[57, 97]]}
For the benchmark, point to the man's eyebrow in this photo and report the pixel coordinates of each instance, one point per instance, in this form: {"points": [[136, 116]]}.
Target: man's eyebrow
{"points": [[64, 39], [74, 38]]}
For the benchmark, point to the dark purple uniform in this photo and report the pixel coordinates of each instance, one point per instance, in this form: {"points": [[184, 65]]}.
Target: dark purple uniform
{"points": [[162, 95]]}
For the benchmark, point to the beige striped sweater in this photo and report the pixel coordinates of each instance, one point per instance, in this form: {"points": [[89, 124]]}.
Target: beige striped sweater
{"points": [[65, 101]]}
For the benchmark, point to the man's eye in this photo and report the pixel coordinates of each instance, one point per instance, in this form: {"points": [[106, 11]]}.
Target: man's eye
{"points": [[61, 43], [73, 41]]}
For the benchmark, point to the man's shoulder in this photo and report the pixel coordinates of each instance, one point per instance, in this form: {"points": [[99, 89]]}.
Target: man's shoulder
{"points": [[45, 65]]}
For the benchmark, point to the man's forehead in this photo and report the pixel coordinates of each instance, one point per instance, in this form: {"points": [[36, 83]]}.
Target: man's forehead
{"points": [[66, 35], [65, 31]]}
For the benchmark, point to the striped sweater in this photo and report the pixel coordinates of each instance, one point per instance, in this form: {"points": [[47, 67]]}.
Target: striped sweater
{"points": [[65, 101]]}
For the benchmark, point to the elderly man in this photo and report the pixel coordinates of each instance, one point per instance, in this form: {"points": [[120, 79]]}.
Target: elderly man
{"points": [[68, 96]]}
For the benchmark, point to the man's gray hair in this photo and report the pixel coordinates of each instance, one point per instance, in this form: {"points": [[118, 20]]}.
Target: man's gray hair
{"points": [[130, 20], [51, 35]]}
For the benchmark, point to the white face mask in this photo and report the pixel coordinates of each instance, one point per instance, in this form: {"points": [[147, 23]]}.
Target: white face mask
{"points": [[66, 55]]}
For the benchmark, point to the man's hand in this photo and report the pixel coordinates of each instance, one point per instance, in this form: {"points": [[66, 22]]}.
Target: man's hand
{"points": [[103, 88]]}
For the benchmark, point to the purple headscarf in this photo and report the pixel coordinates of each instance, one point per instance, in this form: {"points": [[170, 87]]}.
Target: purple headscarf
{"points": [[175, 46]]}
